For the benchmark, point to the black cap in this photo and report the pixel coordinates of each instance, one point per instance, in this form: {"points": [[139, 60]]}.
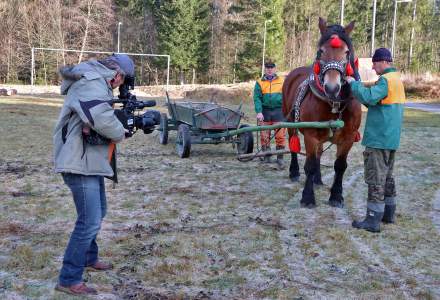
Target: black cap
{"points": [[382, 54], [270, 64]]}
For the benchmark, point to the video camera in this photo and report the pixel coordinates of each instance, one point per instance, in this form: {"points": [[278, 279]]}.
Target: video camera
{"points": [[129, 114]]}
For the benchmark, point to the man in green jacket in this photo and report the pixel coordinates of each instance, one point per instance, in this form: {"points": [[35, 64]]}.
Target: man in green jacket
{"points": [[385, 101], [268, 101], [87, 87]]}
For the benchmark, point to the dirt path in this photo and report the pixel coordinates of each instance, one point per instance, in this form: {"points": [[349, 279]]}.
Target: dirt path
{"points": [[430, 107]]}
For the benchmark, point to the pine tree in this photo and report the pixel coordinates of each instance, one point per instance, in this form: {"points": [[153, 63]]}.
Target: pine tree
{"points": [[183, 34], [247, 21]]}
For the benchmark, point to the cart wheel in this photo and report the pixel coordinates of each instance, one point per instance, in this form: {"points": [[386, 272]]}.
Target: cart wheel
{"points": [[245, 143], [163, 135], [183, 142]]}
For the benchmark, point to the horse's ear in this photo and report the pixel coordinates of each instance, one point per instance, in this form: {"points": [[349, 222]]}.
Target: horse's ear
{"points": [[349, 28], [322, 25]]}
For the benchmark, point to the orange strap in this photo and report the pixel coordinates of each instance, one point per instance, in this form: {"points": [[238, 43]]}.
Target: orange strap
{"points": [[111, 149]]}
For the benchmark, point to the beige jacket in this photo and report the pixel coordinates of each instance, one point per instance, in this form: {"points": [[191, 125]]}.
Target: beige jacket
{"points": [[87, 92]]}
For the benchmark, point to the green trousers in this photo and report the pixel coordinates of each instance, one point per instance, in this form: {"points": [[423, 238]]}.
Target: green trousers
{"points": [[378, 172]]}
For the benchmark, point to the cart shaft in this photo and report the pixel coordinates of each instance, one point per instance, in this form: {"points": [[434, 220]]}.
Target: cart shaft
{"points": [[327, 124]]}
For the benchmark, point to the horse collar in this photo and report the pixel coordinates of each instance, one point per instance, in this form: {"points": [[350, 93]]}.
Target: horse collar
{"points": [[337, 106]]}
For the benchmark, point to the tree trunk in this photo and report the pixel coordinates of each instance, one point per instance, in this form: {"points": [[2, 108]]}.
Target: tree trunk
{"points": [[86, 30], [182, 77], [59, 19], [8, 70], [293, 53], [308, 36], [411, 39]]}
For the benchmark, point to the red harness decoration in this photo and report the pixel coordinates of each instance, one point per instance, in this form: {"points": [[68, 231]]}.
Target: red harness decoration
{"points": [[357, 137], [336, 42], [294, 144], [349, 70], [318, 83], [316, 68]]}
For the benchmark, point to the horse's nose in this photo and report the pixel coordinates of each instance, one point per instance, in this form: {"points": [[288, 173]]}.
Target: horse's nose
{"points": [[332, 90]]}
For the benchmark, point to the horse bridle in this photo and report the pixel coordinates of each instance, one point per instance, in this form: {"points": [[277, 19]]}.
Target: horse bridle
{"points": [[320, 67], [314, 81]]}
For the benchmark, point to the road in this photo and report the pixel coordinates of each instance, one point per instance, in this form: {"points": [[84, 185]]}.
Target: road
{"points": [[431, 107]]}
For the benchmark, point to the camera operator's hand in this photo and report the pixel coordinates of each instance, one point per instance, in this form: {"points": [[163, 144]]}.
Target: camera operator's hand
{"points": [[128, 134]]}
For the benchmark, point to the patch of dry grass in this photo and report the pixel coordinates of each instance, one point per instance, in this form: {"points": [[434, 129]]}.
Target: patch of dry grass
{"points": [[424, 87]]}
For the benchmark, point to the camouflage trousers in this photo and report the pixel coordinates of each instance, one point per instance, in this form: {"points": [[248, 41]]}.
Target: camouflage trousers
{"points": [[378, 173]]}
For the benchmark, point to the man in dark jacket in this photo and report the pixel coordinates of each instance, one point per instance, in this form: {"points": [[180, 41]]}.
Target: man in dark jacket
{"points": [[87, 88], [385, 101], [268, 102]]}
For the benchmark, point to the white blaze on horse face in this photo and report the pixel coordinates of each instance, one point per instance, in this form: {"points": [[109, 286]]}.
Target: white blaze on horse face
{"points": [[332, 83], [333, 78]]}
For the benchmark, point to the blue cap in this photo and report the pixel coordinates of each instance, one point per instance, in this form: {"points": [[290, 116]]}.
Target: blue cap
{"points": [[124, 62], [382, 54]]}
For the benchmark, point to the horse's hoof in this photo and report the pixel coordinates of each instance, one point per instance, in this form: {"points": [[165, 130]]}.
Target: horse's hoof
{"points": [[336, 200], [338, 204], [308, 205], [294, 178]]}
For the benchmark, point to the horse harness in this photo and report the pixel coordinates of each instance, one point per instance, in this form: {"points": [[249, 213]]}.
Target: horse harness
{"points": [[337, 107], [315, 79]]}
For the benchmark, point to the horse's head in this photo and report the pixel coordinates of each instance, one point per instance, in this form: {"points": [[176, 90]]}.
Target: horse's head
{"points": [[333, 58]]}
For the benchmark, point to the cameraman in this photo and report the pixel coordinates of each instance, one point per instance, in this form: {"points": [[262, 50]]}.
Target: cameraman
{"points": [[87, 88]]}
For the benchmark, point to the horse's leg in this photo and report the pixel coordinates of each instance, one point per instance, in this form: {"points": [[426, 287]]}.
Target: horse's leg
{"points": [[336, 198], [317, 178], [310, 168], [294, 167]]}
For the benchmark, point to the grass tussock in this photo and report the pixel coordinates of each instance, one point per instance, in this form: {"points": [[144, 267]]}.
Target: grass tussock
{"points": [[28, 259]]}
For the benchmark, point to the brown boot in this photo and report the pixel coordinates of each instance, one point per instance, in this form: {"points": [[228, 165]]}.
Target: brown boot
{"points": [[100, 266], [76, 289]]}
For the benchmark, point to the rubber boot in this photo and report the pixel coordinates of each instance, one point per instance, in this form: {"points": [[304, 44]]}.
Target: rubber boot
{"points": [[371, 222], [280, 158], [266, 157], [388, 215]]}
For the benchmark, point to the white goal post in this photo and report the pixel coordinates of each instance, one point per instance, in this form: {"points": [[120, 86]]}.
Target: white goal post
{"points": [[95, 52]]}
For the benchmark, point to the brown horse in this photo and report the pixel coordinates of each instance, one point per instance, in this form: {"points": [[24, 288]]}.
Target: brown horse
{"points": [[326, 97]]}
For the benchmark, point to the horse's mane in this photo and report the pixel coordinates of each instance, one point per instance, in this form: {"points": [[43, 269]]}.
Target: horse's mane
{"points": [[339, 30]]}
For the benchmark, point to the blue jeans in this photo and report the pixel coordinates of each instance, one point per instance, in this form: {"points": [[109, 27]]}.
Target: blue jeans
{"points": [[91, 205]]}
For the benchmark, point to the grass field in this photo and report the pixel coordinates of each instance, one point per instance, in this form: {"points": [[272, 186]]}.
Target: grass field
{"points": [[211, 227]]}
